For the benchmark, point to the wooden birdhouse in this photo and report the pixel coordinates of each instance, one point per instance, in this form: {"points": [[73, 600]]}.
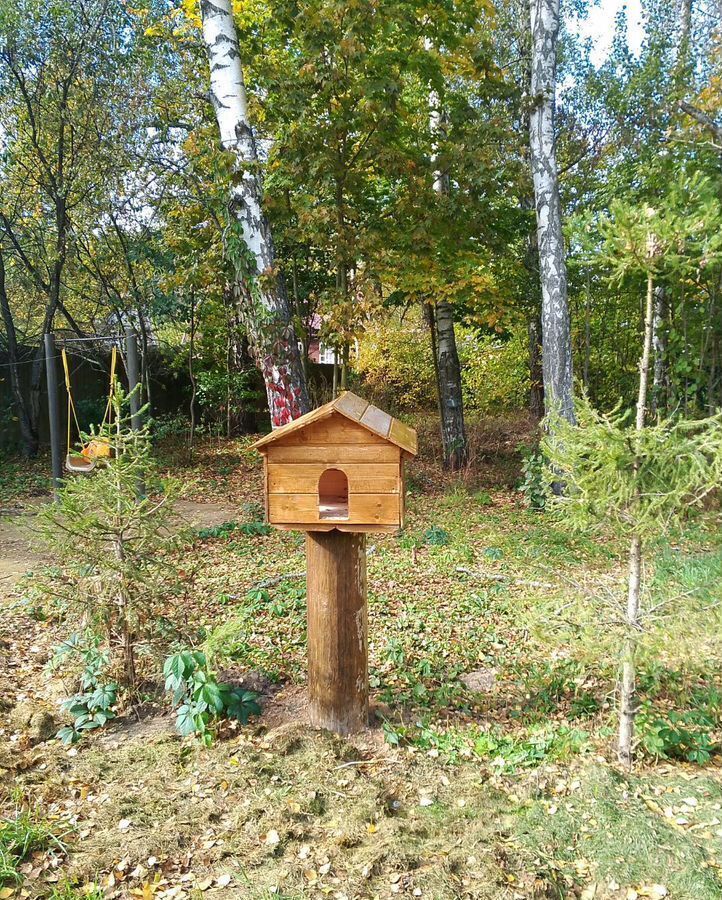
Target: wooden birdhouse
{"points": [[338, 467]]}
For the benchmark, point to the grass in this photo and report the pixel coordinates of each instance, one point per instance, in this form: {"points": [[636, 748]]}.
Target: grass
{"points": [[461, 793], [610, 829], [20, 837], [21, 478]]}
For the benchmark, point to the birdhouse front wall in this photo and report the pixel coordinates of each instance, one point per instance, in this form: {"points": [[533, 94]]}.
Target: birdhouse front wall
{"points": [[334, 474]]}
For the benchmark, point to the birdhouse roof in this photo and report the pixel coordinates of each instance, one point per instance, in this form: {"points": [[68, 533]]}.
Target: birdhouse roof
{"points": [[356, 410]]}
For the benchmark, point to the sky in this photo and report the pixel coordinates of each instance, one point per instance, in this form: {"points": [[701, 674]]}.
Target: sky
{"points": [[599, 26]]}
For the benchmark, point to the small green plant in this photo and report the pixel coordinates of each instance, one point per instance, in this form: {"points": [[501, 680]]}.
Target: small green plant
{"points": [[436, 537], [251, 529], [253, 511], [89, 710], [66, 891], [199, 698], [493, 553], [225, 529], [533, 485], [678, 735], [92, 706], [255, 529]]}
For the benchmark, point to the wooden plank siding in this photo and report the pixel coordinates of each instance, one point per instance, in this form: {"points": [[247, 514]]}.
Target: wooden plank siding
{"points": [[329, 454], [366, 509], [363, 478]]}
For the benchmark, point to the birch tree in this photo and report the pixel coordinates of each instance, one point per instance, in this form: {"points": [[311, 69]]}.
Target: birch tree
{"points": [[263, 303], [556, 330], [440, 317]]}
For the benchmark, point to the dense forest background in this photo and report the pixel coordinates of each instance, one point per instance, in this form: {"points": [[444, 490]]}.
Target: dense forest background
{"points": [[393, 141]]}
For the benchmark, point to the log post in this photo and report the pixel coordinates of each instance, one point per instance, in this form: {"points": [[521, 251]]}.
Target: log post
{"points": [[51, 374], [337, 630]]}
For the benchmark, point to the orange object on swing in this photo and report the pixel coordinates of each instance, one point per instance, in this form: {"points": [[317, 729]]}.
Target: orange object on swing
{"points": [[83, 462]]}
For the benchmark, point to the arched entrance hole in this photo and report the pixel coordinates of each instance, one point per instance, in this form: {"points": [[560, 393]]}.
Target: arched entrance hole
{"points": [[333, 495]]}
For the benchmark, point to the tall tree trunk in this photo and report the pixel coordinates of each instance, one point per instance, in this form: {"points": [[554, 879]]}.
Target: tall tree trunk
{"points": [[447, 366], [536, 376], [587, 332], [534, 329], [556, 329], [192, 378], [685, 35], [659, 345], [628, 687], [28, 429], [263, 302]]}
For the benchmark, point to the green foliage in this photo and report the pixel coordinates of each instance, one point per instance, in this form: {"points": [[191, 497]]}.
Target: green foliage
{"points": [[89, 710], [67, 891], [113, 544], [505, 753], [198, 697], [92, 706], [436, 537], [687, 735], [214, 390], [19, 838], [226, 529], [396, 364], [534, 487], [680, 463]]}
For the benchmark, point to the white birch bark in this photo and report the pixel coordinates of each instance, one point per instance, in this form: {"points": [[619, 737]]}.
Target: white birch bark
{"points": [[447, 365], [556, 330], [659, 345], [263, 303], [628, 689]]}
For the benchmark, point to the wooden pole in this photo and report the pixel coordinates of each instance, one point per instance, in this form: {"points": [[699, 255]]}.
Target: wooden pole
{"points": [[131, 355], [51, 375], [337, 630]]}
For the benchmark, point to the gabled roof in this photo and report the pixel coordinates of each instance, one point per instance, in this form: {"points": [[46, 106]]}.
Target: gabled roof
{"points": [[356, 410]]}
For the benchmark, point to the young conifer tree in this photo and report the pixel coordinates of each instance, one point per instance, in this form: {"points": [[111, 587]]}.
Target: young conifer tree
{"points": [[112, 543], [642, 480]]}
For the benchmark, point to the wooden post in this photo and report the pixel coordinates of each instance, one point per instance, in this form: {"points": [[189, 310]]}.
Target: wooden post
{"points": [[51, 375], [337, 630], [131, 355]]}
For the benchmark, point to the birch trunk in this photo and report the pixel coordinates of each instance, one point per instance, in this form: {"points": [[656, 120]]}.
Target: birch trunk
{"points": [[556, 330], [659, 345], [263, 303], [628, 687], [447, 366]]}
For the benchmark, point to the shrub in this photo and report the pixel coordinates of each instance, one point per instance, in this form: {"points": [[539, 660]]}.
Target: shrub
{"points": [[533, 486], [199, 698]]}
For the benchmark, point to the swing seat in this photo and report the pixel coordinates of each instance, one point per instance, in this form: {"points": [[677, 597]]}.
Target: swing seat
{"points": [[83, 461], [98, 448], [78, 463]]}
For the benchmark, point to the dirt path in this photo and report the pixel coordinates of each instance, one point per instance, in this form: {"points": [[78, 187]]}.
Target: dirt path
{"points": [[18, 553]]}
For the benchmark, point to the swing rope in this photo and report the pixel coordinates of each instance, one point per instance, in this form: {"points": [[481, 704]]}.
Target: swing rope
{"points": [[72, 412]]}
